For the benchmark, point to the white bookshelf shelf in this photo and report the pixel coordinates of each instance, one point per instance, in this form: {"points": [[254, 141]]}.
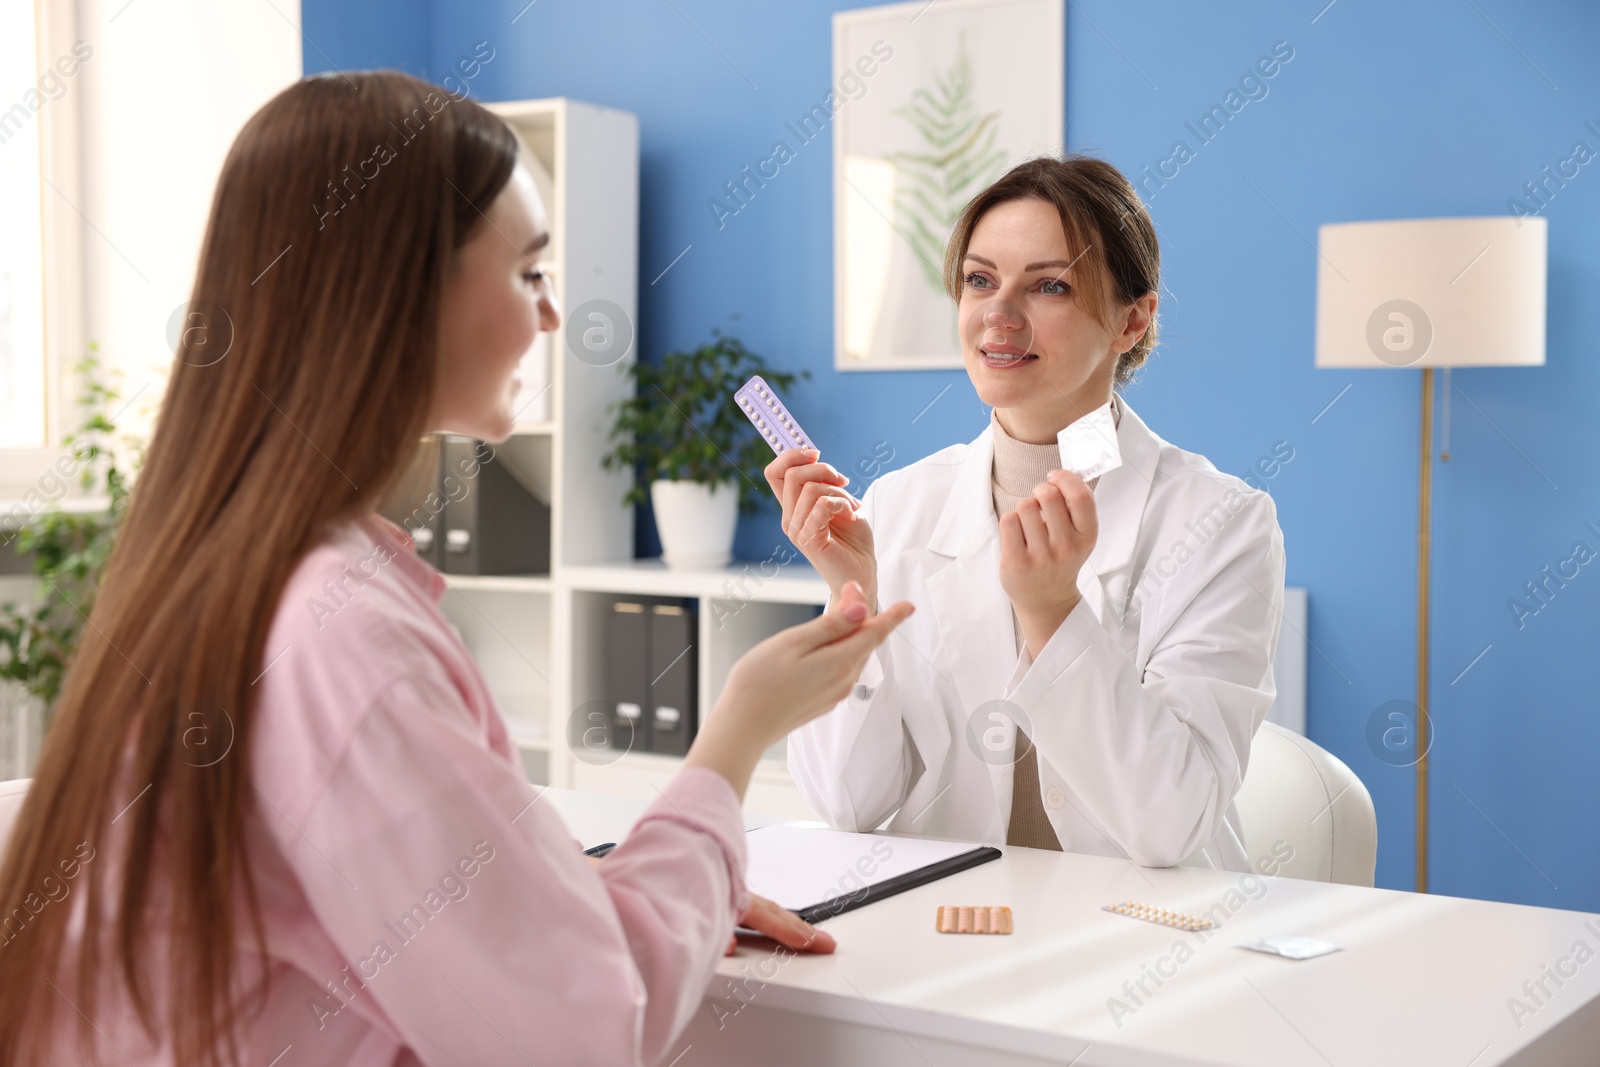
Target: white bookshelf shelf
{"points": [[535, 429], [793, 583], [643, 774], [770, 767], [497, 583], [532, 744]]}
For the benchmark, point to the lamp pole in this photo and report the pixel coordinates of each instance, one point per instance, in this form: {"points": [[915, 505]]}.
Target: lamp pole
{"points": [[1424, 544]]}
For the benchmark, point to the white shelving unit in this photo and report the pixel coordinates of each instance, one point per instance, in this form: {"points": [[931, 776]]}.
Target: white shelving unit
{"points": [[540, 640], [738, 606]]}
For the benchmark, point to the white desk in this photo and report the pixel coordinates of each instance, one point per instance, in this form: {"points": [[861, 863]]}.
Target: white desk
{"points": [[1421, 980]]}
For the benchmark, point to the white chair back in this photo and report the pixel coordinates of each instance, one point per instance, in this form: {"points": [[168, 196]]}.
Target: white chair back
{"points": [[1298, 795]]}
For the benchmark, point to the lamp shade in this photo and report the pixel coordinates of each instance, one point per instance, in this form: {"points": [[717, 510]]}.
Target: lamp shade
{"points": [[1466, 292]]}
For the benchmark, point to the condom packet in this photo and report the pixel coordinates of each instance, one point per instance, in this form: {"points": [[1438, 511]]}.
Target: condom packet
{"points": [[1294, 948], [1089, 445]]}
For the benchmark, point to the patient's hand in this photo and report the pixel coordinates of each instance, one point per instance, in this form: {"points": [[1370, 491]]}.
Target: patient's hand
{"points": [[784, 927], [778, 923]]}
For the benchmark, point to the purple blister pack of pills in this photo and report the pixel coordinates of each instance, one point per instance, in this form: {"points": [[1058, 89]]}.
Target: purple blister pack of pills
{"points": [[770, 418]]}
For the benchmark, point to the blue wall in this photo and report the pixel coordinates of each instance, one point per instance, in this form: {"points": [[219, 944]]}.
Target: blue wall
{"points": [[1422, 108]]}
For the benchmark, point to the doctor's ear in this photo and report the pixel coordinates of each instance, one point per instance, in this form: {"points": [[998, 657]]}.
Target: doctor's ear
{"points": [[1138, 317]]}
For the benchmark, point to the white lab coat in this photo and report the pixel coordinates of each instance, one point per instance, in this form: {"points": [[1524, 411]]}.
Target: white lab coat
{"points": [[1142, 705]]}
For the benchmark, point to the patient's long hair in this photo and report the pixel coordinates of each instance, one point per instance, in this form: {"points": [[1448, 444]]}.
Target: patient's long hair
{"points": [[1106, 225], [301, 389]]}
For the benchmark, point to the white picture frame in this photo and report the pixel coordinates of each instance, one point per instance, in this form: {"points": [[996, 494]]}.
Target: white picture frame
{"points": [[986, 76]]}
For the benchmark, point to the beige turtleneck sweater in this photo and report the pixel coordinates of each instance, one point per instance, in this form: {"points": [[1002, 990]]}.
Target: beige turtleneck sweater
{"points": [[1018, 467]]}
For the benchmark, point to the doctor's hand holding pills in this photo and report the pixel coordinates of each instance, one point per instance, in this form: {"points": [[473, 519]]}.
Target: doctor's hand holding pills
{"points": [[820, 518]]}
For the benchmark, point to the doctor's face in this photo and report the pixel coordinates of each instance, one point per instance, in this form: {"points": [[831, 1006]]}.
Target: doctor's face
{"points": [[1032, 347]]}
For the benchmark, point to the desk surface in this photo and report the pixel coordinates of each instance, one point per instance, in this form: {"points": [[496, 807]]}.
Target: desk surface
{"points": [[1421, 979]]}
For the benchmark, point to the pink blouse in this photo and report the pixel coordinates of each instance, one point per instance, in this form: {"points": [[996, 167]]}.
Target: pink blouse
{"points": [[421, 905]]}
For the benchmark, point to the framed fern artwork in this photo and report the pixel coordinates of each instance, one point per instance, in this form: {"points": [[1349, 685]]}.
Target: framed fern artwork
{"points": [[932, 102]]}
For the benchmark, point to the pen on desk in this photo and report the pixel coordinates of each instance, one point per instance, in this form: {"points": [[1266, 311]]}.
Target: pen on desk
{"points": [[600, 850]]}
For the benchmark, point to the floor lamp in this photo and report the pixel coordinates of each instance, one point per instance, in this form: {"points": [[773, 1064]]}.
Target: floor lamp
{"points": [[1430, 293]]}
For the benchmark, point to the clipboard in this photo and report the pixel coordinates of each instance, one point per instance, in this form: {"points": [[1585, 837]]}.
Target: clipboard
{"points": [[818, 873]]}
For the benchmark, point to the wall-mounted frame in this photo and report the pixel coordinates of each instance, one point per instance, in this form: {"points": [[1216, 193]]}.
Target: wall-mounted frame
{"points": [[935, 102]]}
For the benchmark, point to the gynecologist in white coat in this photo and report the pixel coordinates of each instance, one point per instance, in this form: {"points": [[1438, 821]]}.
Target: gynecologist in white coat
{"points": [[1089, 661]]}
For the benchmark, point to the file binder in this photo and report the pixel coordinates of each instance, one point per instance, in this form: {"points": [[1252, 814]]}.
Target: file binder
{"points": [[674, 671], [492, 524], [468, 514], [627, 677]]}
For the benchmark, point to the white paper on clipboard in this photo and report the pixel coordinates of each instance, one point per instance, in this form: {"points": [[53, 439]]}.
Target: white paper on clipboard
{"points": [[801, 866]]}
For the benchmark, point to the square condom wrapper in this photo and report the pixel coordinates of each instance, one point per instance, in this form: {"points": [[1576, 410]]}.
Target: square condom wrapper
{"points": [[1294, 948], [1089, 446]]}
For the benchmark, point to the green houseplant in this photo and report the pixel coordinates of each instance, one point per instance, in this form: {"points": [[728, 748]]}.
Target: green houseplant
{"points": [[69, 548], [695, 455]]}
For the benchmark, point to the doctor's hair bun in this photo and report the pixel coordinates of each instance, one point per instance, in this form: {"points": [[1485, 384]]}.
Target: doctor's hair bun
{"points": [[1101, 211]]}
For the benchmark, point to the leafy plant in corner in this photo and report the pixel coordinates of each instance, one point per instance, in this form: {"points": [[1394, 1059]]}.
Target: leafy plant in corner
{"points": [[683, 424], [69, 549]]}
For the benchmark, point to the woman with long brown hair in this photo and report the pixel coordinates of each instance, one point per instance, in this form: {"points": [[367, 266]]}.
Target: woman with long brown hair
{"points": [[256, 827]]}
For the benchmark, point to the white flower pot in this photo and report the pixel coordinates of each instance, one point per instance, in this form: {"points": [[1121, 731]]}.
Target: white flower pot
{"points": [[696, 523]]}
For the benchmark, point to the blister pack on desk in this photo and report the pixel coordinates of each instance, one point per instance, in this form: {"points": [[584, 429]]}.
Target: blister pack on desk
{"points": [[958, 919], [1134, 909]]}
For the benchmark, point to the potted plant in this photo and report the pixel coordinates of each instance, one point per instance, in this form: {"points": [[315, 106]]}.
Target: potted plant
{"points": [[695, 455], [69, 549]]}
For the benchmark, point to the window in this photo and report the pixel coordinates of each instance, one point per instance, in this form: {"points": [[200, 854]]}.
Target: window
{"points": [[22, 310]]}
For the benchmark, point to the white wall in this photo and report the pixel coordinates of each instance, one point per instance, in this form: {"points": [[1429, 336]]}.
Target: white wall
{"points": [[169, 85]]}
